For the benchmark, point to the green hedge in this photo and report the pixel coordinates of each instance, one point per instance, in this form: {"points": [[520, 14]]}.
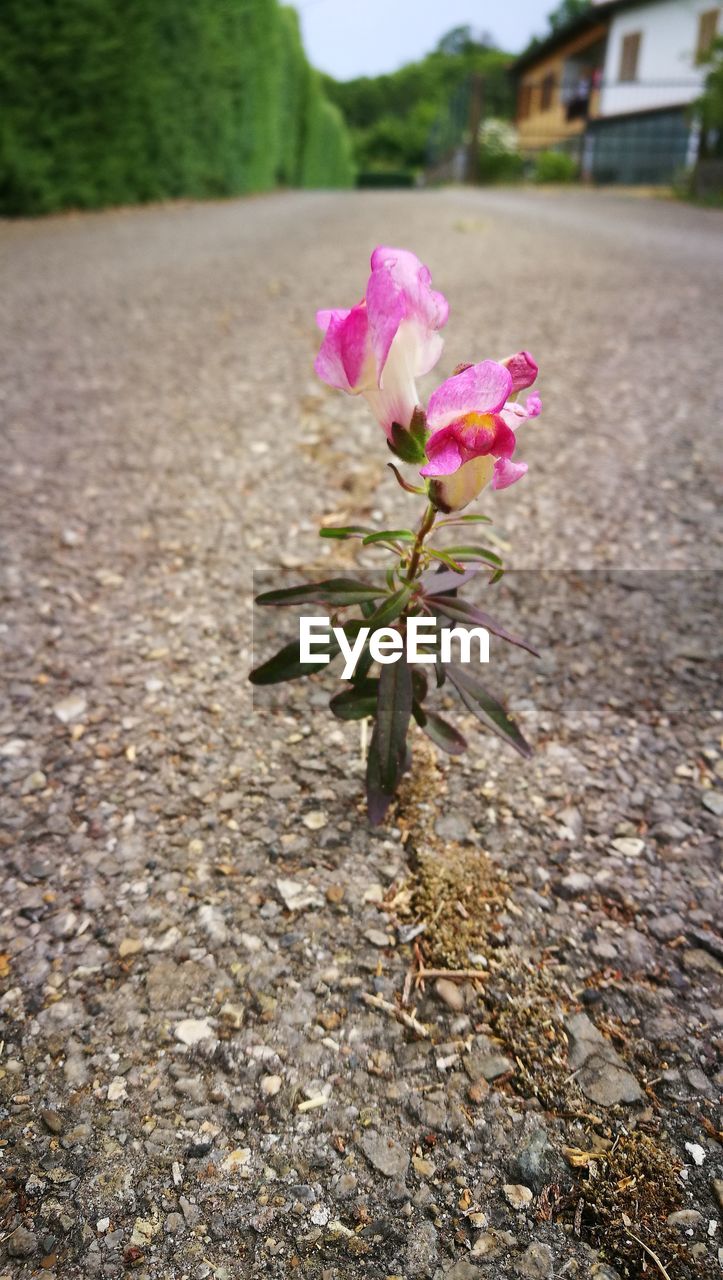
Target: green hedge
{"points": [[116, 101]]}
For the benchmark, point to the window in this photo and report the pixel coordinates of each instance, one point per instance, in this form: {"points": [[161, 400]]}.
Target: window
{"points": [[523, 102], [548, 92], [707, 31], [629, 53]]}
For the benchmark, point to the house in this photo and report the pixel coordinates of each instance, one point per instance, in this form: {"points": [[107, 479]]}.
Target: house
{"points": [[615, 87], [644, 129], [558, 85]]}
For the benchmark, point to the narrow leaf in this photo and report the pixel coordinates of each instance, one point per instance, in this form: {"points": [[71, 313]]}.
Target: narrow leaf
{"points": [[401, 535], [287, 664], [487, 709], [465, 520], [356, 703], [345, 531], [442, 733], [475, 552], [334, 591], [462, 611], [394, 708], [390, 608], [379, 797], [446, 559]]}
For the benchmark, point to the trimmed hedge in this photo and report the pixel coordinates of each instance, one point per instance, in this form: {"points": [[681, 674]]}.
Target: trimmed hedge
{"points": [[117, 101]]}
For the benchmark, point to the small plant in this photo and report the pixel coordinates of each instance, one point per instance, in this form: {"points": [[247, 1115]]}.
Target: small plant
{"points": [[499, 156], [555, 166], [463, 442]]}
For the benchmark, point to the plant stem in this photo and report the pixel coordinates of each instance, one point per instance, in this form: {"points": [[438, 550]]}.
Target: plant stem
{"points": [[424, 528]]}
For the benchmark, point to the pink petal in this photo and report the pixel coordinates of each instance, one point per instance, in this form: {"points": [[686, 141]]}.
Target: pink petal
{"points": [[324, 318], [507, 473], [344, 351], [533, 405], [399, 290], [444, 453], [483, 388], [523, 370]]}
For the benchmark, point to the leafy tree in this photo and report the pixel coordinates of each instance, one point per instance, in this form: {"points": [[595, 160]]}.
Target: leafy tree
{"points": [[566, 12], [391, 117]]}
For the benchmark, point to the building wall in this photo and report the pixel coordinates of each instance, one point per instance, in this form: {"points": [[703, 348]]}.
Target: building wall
{"points": [[667, 73], [542, 128]]}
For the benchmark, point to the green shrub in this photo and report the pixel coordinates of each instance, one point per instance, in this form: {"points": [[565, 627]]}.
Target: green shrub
{"points": [[499, 158], [554, 166], [115, 101]]}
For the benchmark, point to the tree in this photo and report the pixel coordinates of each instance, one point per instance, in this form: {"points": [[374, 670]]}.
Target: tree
{"points": [[566, 12]]}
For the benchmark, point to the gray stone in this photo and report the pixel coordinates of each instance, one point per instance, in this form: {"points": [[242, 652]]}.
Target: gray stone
{"points": [[536, 1162], [450, 994], [575, 884], [384, 1154], [536, 1262], [421, 1252], [22, 1243], [684, 1218], [600, 1071], [713, 801]]}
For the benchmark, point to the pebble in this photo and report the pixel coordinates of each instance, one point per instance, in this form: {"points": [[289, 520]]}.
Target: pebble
{"points": [[315, 820], [297, 896], [517, 1196], [385, 1154], [270, 1085], [117, 1089], [713, 801], [600, 1071], [696, 1152], [21, 1243], [450, 994], [130, 947], [536, 1263], [191, 1031], [70, 708], [378, 938], [684, 1218], [52, 1120], [628, 846], [34, 782]]}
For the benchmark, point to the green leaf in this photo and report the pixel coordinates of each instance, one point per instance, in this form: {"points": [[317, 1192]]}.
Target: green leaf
{"points": [[390, 608], [445, 559], [475, 552], [465, 520], [394, 708], [462, 611], [334, 591], [419, 684], [487, 709], [402, 535], [442, 733], [287, 665], [356, 703], [409, 444], [379, 798], [345, 531]]}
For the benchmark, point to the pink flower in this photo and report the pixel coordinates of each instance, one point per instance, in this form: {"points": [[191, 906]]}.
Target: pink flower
{"points": [[472, 422], [379, 347]]}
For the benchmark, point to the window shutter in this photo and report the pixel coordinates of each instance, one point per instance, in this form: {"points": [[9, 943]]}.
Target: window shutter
{"points": [[629, 54], [707, 31]]}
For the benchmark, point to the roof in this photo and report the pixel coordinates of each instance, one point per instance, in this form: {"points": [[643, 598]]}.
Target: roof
{"points": [[597, 13]]}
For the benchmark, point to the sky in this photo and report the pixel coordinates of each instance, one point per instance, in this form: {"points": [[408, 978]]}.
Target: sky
{"points": [[350, 38]]}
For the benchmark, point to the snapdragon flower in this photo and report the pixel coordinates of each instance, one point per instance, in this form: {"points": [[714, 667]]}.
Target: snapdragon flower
{"points": [[382, 345]]}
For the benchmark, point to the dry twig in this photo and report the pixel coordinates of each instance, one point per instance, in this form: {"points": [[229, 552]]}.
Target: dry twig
{"points": [[650, 1253], [407, 1019]]}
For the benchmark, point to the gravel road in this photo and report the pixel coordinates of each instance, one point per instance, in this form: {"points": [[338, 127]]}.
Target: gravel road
{"points": [[206, 1067]]}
